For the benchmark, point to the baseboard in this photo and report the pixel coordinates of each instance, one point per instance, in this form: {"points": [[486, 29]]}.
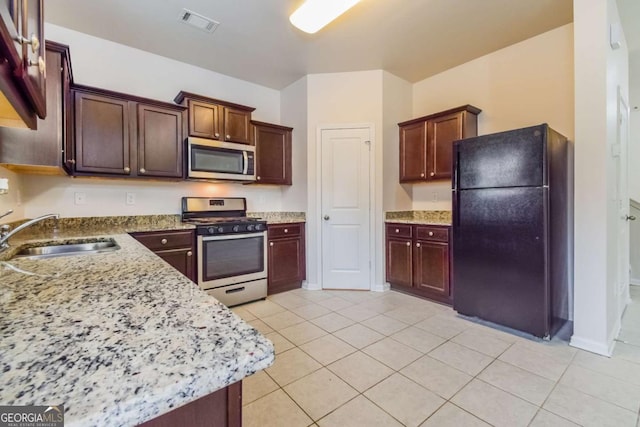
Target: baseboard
{"points": [[381, 287], [311, 286], [600, 348]]}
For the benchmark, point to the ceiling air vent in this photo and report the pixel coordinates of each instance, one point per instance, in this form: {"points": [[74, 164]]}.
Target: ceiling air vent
{"points": [[196, 20]]}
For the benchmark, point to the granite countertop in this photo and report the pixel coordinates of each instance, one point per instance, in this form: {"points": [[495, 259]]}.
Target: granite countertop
{"points": [[419, 217], [118, 338], [279, 217]]}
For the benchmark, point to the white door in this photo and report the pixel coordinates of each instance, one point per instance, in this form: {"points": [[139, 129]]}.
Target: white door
{"points": [[622, 200], [345, 208]]}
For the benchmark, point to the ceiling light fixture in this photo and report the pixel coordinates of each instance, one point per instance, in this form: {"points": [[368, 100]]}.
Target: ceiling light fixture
{"points": [[315, 14]]}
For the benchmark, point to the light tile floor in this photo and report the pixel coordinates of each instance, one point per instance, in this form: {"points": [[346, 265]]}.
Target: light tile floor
{"points": [[349, 358]]}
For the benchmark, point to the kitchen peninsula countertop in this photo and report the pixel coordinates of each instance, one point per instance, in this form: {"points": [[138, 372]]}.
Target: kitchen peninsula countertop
{"points": [[118, 338], [419, 217]]}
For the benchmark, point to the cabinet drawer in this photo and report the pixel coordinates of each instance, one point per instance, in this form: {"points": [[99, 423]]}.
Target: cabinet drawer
{"points": [[284, 230], [399, 230], [440, 234], [165, 239]]}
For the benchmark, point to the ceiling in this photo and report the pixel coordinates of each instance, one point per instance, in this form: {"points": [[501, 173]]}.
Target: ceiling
{"points": [[412, 39]]}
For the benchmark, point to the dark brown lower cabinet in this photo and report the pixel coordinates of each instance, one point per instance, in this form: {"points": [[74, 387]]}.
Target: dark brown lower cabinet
{"points": [[418, 260], [177, 248], [287, 266], [222, 408]]}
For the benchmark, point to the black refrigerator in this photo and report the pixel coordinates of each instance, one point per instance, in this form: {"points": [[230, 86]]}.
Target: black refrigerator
{"points": [[510, 229]]}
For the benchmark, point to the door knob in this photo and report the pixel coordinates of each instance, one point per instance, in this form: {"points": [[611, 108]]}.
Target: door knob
{"points": [[631, 218], [326, 217]]}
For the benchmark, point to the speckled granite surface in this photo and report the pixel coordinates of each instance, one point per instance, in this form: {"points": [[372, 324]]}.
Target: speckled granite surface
{"points": [[419, 217], [118, 338], [279, 217]]}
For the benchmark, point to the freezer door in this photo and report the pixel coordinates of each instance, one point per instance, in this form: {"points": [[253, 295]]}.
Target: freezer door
{"points": [[508, 159], [500, 269]]}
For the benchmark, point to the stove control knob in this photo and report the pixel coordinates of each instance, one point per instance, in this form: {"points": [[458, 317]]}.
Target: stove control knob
{"points": [[250, 227], [220, 230], [236, 228], [211, 230], [259, 227]]}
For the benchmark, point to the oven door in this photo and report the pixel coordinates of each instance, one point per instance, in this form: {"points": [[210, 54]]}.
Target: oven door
{"points": [[230, 259], [209, 159]]}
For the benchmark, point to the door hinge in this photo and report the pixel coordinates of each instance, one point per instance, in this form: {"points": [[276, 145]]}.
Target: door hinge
{"points": [[368, 144]]}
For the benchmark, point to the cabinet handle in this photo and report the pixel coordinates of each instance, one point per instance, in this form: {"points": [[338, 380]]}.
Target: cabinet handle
{"points": [[33, 41], [397, 230], [417, 245], [72, 161], [258, 178], [286, 230], [143, 170], [422, 175], [163, 241], [189, 253], [42, 67], [270, 243], [228, 137], [431, 233], [127, 169], [408, 243], [217, 135], [432, 174]]}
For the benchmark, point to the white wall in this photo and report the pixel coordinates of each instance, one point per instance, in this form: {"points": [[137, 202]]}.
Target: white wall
{"points": [[524, 84], [598, 73], [13, 199], [634, 120], [343, 98], [101, 63], [293, 112], [397, 95]]}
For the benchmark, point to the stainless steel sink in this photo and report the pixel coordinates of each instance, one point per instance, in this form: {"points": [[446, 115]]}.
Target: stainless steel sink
{"points": [[70, 249]]}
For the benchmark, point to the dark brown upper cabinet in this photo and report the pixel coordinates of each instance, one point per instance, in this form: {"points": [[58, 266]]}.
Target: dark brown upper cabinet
{"points": [[273, 153], [215, 119], [49, 149], [426, 143], [122, 135], [22, 63]]}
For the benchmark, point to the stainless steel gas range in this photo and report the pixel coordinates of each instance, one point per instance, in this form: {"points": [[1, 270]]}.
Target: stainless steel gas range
{"points": [[232, 248]]}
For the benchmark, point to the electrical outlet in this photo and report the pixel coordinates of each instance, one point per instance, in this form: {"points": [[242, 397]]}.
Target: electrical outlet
{"points": [[80, 198], [131, 198]]}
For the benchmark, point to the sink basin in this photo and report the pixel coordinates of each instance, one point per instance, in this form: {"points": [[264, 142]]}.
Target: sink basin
{"points": [[70, 249]]}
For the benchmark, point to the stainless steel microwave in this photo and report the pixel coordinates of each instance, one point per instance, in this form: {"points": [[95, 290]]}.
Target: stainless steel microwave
{"points": [[218, 160]]}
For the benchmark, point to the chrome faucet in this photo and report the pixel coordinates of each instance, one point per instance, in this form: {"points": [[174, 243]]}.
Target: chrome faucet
{"points": [[6, 232]]}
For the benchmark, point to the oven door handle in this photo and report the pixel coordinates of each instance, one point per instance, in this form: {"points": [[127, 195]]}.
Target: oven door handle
{"points": [[233, 236], [233, 291], [245, 156]]}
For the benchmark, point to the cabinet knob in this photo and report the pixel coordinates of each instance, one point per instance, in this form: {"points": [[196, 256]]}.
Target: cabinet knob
{"points": [[228, 137], [408, 243], [258, 178], [417, 245], [189, 253], [397, 230], [286, 230], [432, 174], [72, 161], [422, 175], [431, 233], [127, 169], [217, 135], [143, 170], [163, 241], [42, 67], [270, 243], [33, 41]]}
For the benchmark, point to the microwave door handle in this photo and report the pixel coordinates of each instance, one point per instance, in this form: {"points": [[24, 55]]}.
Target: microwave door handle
{"points": [[246, 162]]}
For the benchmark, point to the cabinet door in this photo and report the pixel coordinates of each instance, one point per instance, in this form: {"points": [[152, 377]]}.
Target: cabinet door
{"points": [[204, 120], [237, 125], [10, 47], [102, 134], [180, 259], [33, 56], [432, 268], [399, 262], [273, 155], [159, 142], [442, 131], [413, 154], [286, 264]]}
